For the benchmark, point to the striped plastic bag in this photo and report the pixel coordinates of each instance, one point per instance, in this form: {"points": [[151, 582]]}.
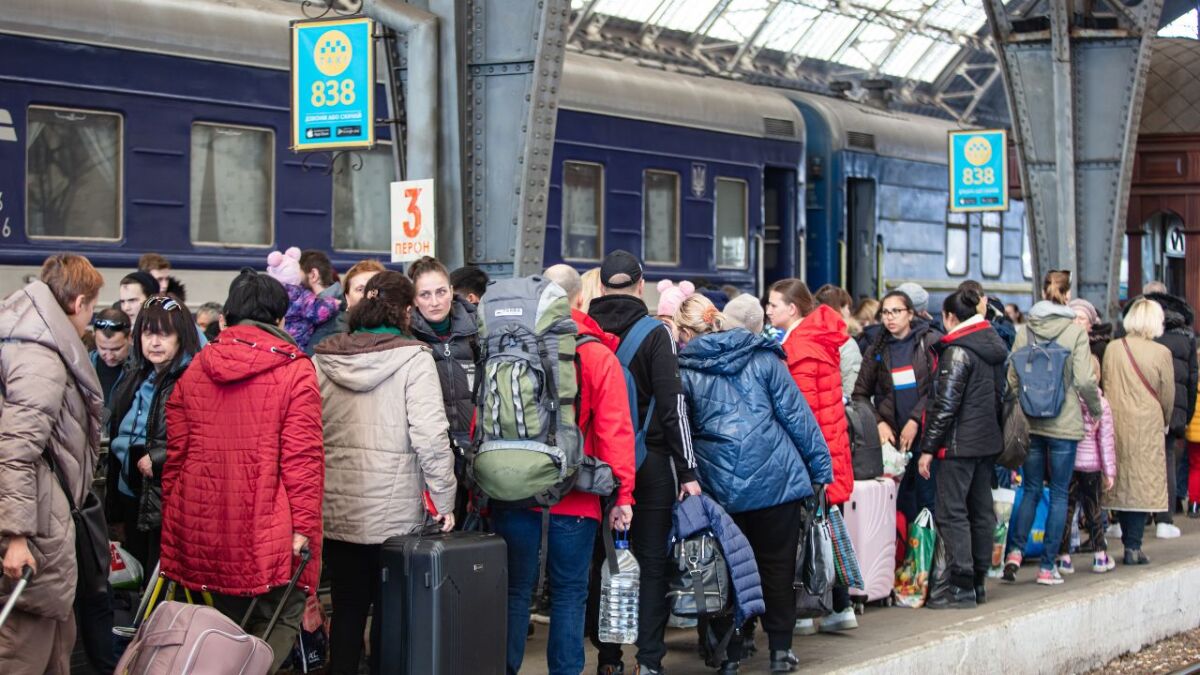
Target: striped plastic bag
{"points": [[845, 560]]}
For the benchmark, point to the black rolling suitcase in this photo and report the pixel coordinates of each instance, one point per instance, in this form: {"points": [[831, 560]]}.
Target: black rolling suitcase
{"points": [[443, 605]]}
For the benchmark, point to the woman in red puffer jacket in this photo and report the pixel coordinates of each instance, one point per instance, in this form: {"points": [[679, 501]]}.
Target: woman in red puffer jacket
{"points": [[244, 475], [813, 337]]}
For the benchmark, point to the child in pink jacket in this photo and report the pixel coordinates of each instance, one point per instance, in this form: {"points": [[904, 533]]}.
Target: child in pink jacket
{"points": [[1095, 471], [306, 310]]}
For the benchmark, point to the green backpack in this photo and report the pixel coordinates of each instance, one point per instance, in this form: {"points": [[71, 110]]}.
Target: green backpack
{"points": [[528, 449]]}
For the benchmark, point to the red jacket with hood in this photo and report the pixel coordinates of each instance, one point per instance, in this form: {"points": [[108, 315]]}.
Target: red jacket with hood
{"points": [[813, 357], [603, 418], [245, 465]]}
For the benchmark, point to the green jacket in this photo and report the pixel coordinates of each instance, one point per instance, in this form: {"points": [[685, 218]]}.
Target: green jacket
{"points": [[1051, 321]]}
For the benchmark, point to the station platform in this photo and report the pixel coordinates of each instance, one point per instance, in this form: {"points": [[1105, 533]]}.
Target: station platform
{"points": [[1023, 628]]}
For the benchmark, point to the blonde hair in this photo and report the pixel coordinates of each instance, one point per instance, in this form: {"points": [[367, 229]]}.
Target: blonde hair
{"points": [[1144, 319], [1056, 286], [697, 315], [591, 288], [866, 311]]}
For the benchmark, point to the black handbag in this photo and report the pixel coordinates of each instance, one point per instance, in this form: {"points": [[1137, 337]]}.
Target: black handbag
{"points": [[91, 535], [814, 563]]}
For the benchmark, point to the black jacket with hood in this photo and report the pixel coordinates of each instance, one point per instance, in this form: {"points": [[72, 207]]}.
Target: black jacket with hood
{"points": [[1179, 337], [456, 356], [655, 370], [965, 407]]}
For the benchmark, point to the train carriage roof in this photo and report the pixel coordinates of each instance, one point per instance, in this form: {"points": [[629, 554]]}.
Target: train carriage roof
{"points": [[251, 32], [888, 133]]}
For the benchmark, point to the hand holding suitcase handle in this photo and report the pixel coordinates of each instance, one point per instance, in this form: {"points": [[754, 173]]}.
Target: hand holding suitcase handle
{"points": [[305, 555], [26, 575]]}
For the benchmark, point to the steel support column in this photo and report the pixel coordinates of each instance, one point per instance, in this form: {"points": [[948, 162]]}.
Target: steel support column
{"points": [[1075, 74]]}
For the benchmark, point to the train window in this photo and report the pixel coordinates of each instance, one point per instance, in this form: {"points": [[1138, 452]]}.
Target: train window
{"points": [[361, 200], [73, 174], [957, 243], [732, 234], [583, 211], [991, 245], [660, 217], [232, 185]]}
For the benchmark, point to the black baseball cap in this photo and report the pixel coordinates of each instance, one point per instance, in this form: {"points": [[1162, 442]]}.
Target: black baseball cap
{"points": [[620, 269]]}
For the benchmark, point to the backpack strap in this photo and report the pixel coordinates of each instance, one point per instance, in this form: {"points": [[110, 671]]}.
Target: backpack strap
{"points": [[629, 347]]}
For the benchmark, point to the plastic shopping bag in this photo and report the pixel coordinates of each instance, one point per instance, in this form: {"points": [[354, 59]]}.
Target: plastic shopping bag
{"points": [[845, 560], [939, 584], [912, 578], [1036, 542], [815, 573], [124, 570], [894, 461], [1002, 504]]}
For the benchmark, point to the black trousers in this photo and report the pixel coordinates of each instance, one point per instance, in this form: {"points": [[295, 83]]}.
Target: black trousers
{"points": [[774, 534], [354, 586], [1084, 494], [94, 623], [655, 493], [964, 516]]}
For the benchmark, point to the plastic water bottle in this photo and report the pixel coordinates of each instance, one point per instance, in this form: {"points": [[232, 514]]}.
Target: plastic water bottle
{"points": [[619, 597]]}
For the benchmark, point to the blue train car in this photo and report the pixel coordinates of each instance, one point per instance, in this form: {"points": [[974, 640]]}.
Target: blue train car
{"points": [[164, 126], [877, 208], [700, 177]]}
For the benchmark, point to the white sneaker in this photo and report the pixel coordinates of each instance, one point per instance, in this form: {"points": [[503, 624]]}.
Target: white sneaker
{"points": [[1166, 531], [805, 627], [839, 621], [1113, 531]]}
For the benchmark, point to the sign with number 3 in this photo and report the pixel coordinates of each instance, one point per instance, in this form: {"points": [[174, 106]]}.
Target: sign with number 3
{"points": [[413, 231]]}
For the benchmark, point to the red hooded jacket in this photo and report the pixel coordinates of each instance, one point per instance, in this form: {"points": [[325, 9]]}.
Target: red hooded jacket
{"points": [[813, 357], [245, 466], [603, 417]]}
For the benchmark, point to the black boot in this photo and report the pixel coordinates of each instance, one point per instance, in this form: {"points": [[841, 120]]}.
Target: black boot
{"points": [[783, 661], [1193, 510], [729, 668], [980, 588], [958, 598]]}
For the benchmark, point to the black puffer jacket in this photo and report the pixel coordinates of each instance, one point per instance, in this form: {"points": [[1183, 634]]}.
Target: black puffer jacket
{"points": [[456, 356], [150, 491], [874, 386], [965, 407], [1179, 337]]}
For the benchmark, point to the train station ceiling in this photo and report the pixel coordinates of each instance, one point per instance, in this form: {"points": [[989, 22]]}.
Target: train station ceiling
{"points": [[927, 56]]}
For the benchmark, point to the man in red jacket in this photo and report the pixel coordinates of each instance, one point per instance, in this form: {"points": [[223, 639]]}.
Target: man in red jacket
{"points": [[607, 435], [245, 470]]}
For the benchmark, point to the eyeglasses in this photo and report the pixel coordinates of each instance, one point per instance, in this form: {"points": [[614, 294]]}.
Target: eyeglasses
{"points": [[889, 313], [168, 303], [109, 324]]}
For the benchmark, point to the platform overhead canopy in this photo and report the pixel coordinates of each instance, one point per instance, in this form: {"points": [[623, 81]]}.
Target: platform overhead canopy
{"points": [[936, 54]]}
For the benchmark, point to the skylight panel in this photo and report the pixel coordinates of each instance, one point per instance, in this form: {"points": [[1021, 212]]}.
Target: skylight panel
{"points": [[827, 35], [906, 55]]}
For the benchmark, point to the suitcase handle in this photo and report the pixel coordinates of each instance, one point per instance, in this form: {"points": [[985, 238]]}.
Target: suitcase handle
{"points": [[305, 555]]}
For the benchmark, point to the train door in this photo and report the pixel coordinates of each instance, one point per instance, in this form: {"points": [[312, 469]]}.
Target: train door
{"points": [[860, 265], [777, 246]]}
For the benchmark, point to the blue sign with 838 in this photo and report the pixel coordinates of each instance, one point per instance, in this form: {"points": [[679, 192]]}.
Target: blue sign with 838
{"points": [[979, 170], [333, 93]]}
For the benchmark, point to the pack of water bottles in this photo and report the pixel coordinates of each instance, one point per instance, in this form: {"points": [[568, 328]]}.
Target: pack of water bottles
{"points": [[619, 585]]}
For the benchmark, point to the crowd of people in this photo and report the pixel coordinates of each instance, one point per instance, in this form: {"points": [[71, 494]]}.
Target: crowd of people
{"points": [[326, 413]]}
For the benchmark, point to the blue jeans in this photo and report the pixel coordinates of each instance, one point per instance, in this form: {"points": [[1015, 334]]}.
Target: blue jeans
{"points": [[567, 566], [1061, 453]]}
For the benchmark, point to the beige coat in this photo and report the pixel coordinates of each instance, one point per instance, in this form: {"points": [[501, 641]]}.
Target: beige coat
{"points": [[1139, 419], [386, 436], [51, 400]]}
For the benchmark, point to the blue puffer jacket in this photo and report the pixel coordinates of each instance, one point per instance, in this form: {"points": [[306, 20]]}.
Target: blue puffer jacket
{"points": [[697, 514], [757, 442]]}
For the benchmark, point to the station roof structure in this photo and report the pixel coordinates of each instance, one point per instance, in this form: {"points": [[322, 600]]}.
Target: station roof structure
{"points": [[929, 56]]}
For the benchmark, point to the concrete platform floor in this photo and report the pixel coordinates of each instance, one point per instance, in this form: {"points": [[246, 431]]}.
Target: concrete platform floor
{"points": [[1023, 628]]}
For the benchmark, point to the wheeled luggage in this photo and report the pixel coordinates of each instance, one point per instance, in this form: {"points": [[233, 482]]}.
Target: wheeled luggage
{"points": [[443, 604], [181, 638], [870, 517]]}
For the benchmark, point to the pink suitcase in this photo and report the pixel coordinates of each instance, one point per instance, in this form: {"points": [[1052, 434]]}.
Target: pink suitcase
{"points": [[870, 517]]}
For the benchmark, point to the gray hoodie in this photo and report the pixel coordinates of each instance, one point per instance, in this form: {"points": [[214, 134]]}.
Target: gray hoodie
{"points": [[1052, 321]]}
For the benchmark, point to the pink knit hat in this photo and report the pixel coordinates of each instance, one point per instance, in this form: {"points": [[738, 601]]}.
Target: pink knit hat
{"points": [[285, 267], [670, 296]]}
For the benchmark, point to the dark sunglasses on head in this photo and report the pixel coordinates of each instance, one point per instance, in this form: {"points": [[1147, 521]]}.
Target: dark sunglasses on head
{"points": [[168, 303], [109, 324]]}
